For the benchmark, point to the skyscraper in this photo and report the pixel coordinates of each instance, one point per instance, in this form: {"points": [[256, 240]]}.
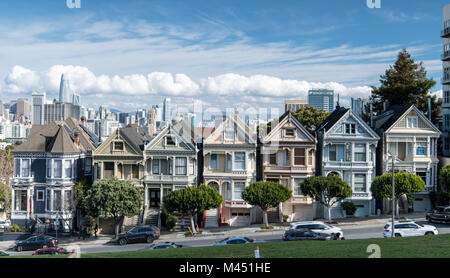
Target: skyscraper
{"points": [[357, 105], [151, 121], [321, 99], [294, 104], [167, 117], [38, 108], [64, 90], [445, 34]]}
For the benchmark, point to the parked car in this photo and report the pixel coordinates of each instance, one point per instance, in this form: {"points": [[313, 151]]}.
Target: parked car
{"points": [[139, 234], [35, 242], [441, 214], [236, 240], [408, 228], [52, 251], [163, 245], [3, 254], [319, 227], [5, 224], [307, 234]]}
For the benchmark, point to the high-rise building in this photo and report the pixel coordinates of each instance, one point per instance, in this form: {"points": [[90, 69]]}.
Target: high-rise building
{"points": [[158, 111], [321, 99], [38, 108], [58, 111], [23, 108], [167, 112], [357, 105], [445, 34], [294, 104], [151, 121], [2, 109], [64, 90]]}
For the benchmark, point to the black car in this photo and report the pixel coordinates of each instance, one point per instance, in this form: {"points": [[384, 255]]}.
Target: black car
{"points": [[306, 234], [36, 242], [139, 234], [164, 245], [3, 254]]}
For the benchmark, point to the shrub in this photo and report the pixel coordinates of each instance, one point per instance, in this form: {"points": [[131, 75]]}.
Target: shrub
{"points": [[164, 216], [16, 229], [349, 207], [267, 227], [285, 218], [439, 199], [187, 234], [171, 222]]}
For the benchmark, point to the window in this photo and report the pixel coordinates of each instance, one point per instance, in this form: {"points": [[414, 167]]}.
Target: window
{"points": [[17, 167], [119, 171], [20, 202], [49, 196], [25, 167], [289, 132], [447, 93], [229, 133], [68, 168], [191, 167], [170, 141], [181, 166], [49, 168], [332, 153], [135, 171], [350, 129], [422, 175], [68, 200], [87, 165], [238, 189], [57, 201], [239, 161], [411, 122], [57, 169], [108, 170], [360, 152], [421, 148], [213, 162], [299, 156], [310, 157], [273, 159], [228, 190], [297, 186], [118, 146], [229, 162], [360, 183], [155, 167], [40, 195]]}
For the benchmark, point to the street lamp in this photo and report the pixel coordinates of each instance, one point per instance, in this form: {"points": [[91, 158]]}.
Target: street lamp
{"points": [[393, 193]]}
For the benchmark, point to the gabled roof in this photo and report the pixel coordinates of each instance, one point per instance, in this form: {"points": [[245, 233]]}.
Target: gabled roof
{"points": [[169, 129], [288, 116], [136, 136], [332, 119], [62, 142], [241, 127], [385, 120]]}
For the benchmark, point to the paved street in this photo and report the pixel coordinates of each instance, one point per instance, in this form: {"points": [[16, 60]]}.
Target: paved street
{"points": [[350, 232]]}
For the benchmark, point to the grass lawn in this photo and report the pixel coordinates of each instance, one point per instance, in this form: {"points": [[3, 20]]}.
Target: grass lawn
{"points": [[412, 247]]}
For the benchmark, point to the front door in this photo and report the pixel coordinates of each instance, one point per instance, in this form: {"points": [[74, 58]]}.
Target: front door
{"points": [[155, 198]]}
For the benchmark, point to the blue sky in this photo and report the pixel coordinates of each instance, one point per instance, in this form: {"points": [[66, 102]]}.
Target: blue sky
{"points": [[130, 54]]}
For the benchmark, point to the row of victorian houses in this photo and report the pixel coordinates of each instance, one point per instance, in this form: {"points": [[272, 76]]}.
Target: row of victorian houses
{"points": [[229, 158]]}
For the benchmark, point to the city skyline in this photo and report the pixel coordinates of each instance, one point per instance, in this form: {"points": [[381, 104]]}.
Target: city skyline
{"points": [[236, 58]]}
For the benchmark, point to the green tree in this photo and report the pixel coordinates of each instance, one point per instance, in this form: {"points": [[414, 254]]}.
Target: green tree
{"points": [[80, 194], [5, 197], [114, 198], [192, 200], [444, 179], [326, 190], [405, 184], [310, 117], [405, 83], [266, 194]]}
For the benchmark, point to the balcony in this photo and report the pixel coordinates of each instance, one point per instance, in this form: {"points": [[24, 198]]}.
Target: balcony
{"points": [[445, 56], [445, 33], [286, 168], [166, 178], [301, 199], [237, 204]]}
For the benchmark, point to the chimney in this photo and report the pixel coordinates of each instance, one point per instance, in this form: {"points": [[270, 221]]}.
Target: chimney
{"points": [[83, 121], [76, 138]]}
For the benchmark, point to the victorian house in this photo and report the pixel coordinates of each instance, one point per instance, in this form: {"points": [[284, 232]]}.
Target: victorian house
{"points": [[408, 135], [46, 168], [346, 147], [170, 164], [288, 154], [121, 156], [229, 159]]}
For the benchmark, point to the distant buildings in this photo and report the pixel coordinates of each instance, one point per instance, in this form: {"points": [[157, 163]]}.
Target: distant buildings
{"points": [[321, 99], [446, 81], [167, 112], [294, 104], [357, 105]]}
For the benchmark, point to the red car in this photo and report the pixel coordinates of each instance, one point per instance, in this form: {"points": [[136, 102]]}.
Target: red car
{"points": [[53, 251]]}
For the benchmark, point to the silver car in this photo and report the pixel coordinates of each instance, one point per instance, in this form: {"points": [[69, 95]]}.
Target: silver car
{"points": [[236, 240]]}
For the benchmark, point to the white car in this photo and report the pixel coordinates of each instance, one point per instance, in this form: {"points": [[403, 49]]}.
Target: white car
{"points": [[408, 228], [318, 227], [5, 224], [236, 240]]}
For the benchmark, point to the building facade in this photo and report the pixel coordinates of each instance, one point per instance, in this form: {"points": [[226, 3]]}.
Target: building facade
{"points": [[294, 104], [407, 134], [321, 99], [288, 155], [229, 157], [347, 147], [445, 34]]}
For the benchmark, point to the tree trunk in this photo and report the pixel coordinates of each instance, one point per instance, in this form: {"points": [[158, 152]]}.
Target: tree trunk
{"points": [[191, 217], [266, 220], [329, 213], [118, 222]]}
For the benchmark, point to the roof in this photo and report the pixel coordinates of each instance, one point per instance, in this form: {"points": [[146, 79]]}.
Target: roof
{"points": [[57, 137], [136, 136], [385, 120], [333, 118]]}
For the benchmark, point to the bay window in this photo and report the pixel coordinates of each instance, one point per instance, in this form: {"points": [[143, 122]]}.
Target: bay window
{"points": [[299, 156], [181, 166], [238, 189], [57, 200], [360, 183], [16, 167], [213, 162], [68, 168], [360, 152], [57, 169], [332, 154], [25, 167], [68, 200], [421, 148], [155, 167], [20, 200], [228, 191], [49, 168], [297, 186], [239, 161]]}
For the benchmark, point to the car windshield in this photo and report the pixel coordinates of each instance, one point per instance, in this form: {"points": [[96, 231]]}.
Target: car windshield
{"points": [[223, 240], [387, 226], [248, 239], [418, 224], [134, 230]]}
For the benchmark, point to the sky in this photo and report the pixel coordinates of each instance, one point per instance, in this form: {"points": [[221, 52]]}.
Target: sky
{"points": [[250, 54]]}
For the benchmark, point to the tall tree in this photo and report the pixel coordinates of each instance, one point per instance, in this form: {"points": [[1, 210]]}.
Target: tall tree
{"points": [[5, 196], [444, 179], [405, 184], [266, 194], [192, 200], [405, 83], [310, 117], [114, 198], [326, 190], [6, 165]]}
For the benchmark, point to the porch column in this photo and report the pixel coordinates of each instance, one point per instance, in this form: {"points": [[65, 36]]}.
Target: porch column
{"points": [[232, 161], [28, 202], [428, 147], [173, 165], [160, 195], [115, 169], [13, 201], [101, 169], [145, 195], [367, 152]]}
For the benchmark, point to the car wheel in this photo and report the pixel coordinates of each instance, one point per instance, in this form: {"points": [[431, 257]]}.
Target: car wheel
{"points": [[149, 239], [429, 233], [19, 248], [342, 238], [398, 235], [122, 241]]}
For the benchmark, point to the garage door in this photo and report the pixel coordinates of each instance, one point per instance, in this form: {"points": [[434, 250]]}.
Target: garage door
{"points": [[362, 209], [302, 212], [421, 204], [240, 219]]}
